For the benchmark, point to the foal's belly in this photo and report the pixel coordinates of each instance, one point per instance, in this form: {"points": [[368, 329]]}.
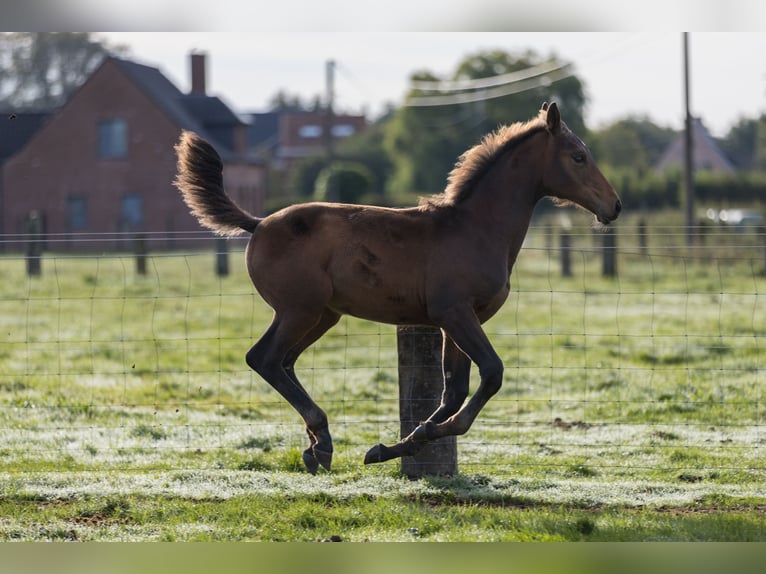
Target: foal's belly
{"points": [[376, 303], [486, 309], [402, 306]]}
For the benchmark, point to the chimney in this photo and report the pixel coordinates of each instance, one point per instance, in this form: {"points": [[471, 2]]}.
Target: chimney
{"points": [[197, 60]]}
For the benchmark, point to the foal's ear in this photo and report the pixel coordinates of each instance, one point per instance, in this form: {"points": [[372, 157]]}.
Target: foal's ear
{"points": [[553, 118], [544, 107]]}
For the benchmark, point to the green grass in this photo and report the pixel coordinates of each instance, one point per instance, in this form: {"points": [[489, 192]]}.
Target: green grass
{"points": [[632, 408], [320, 517]]}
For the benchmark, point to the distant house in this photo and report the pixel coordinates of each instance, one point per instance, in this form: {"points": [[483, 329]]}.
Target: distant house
{"points": [[707, 154], [104, 162], [285, 136]]}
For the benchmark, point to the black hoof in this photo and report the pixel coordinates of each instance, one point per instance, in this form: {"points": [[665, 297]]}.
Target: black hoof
{"points": [[313, 458], [311, 462], [378, 453], [324, 458]]}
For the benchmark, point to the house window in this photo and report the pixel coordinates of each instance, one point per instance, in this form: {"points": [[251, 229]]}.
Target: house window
{"points": [[343, 130], [132, 213], [77, 213], [310, 131], [112, 139]]}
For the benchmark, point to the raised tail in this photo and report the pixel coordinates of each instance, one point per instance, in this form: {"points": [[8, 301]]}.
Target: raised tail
{"points": [[200, 181]]}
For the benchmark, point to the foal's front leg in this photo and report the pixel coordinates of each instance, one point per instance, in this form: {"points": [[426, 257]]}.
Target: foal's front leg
{"points": [[456, 370]]}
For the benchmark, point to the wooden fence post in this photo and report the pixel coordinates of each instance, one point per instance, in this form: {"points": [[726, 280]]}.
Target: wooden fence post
{"points": [[34, 249], [763, 243], [643, 238], [566, 253], [420, 391], [139, 247], [221, 257], [609, 268]]}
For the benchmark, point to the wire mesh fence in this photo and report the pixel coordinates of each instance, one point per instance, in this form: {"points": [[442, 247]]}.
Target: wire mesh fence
{"points": [[654, 370]]}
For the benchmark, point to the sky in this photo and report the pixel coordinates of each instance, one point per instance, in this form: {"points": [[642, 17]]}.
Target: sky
{"points": [[625, 73]]}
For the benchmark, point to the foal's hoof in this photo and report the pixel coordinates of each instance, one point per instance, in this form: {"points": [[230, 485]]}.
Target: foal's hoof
{"points": [[313, 457], [323, 457], [311, 462], [378, 453]]}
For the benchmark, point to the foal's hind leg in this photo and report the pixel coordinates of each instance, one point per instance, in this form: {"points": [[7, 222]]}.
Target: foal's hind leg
{"points": [[313, 455], [273, 357], [463, 327]]}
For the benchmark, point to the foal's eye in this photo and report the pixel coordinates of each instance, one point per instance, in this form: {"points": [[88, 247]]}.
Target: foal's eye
{"points": [[578, 158]]}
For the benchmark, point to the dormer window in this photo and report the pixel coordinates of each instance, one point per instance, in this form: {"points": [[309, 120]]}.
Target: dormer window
{"points": [[343, 130], [310, 131]]}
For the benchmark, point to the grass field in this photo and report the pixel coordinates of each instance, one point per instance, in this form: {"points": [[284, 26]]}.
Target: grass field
{"points": [[632, 407]]}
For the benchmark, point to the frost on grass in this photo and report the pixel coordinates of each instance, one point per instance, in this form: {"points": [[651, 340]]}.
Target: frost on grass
{"points": [[223, 485], [213, 485]]}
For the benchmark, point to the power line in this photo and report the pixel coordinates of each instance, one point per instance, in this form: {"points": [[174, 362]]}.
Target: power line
{"points": [[489, 82], [507, 89], [541, 75]]}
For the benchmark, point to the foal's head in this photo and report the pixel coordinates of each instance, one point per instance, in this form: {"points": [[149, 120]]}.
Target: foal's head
{"points": [[571, 175]]}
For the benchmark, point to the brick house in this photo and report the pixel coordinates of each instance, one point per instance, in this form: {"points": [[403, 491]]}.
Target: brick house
{"points": [[286, 136], [102, 166]]}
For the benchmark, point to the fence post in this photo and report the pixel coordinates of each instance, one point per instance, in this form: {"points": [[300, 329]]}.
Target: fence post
{"points": [[34, 244], [643, 239], [763, 243], [139, 247], [420, 391], [566, 253], [609, 268], [702, 233], [221, 257]]}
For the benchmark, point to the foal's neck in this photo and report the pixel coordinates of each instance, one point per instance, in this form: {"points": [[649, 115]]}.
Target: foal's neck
{"points": [[504, 200]]}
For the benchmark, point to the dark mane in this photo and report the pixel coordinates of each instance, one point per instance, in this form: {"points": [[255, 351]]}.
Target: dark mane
{"points": [[475, 162]]}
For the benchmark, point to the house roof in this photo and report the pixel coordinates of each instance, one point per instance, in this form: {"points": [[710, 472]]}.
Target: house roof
{"points": [[706, 152], [263, 131], [17, 128], [203, 114]]}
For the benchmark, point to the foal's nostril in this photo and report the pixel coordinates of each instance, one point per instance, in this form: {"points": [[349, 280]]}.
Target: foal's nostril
{"points": [[618, 207]]}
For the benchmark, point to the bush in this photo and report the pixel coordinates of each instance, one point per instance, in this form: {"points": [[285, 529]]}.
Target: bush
{"points": [[740, 188], [345, 182], [653, 190]]}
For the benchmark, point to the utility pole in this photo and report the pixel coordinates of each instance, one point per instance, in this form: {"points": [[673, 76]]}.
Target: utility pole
{"points": [[330, 100], [688, 151]]}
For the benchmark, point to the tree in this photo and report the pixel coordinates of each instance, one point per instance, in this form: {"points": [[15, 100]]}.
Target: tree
{"points": [[39, 70], [745, 143], [566, 89], [424, 142], [759, 156], [365, 148], [633, 142], [286, 102]]}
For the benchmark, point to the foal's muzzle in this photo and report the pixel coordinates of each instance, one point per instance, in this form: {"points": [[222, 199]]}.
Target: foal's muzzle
{"points": [[607, 219]]}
